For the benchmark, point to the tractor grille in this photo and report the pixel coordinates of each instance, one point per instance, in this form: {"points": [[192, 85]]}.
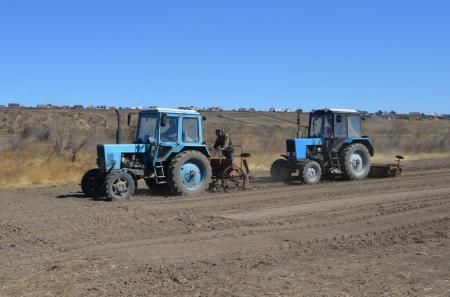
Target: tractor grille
{"points": [[290, 145], [101, 157]]}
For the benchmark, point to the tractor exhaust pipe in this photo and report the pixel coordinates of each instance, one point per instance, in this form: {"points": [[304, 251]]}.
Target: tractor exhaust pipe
{"points": [[118, 126], [299, 132]]}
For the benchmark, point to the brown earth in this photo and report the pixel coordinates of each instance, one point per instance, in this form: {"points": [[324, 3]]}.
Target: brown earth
{"points": [[378, 237]]}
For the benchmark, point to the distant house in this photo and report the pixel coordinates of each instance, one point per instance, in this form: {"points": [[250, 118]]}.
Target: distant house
{"points": [[242, 109], [78, 106], [273, 109], [415, 115], [287, 110], [2, 106], [64, 107], [251, 109], [14, 105], [44, 106], [215, 108]]}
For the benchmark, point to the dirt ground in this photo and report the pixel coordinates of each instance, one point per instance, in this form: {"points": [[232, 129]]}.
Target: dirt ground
{"points": [[378, 237]]}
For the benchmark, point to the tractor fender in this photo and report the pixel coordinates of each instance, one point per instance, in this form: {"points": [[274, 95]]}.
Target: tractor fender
{"points": [[201, 149], [364, 141]]}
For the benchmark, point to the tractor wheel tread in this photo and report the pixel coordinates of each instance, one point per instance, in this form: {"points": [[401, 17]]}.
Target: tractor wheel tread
{"points": [[175, 185], [111, 178], [279, 171], [345, 157], [309, 164], [92, 183]]}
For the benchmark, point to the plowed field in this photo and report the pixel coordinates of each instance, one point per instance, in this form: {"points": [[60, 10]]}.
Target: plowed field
{"points": [[377, 237]]}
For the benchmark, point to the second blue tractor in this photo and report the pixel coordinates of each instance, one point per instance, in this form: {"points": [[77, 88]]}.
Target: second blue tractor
{"points": [[333, 147]]}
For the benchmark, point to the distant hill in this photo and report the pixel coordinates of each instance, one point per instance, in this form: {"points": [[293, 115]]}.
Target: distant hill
{"points": [[48, 135]]}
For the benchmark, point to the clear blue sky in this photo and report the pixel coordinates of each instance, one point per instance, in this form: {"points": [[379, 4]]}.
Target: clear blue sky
{"points": [[365, 54]]}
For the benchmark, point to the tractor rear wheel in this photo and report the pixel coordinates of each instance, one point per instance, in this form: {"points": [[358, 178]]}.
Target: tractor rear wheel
{"points": [[356, 161], [189, 173], [279, 171], [119, 186], [92, 183], [311, 172]]}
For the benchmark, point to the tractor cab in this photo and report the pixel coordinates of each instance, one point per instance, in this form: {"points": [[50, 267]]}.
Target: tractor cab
{"points": [[170, 131], [334, 123]]}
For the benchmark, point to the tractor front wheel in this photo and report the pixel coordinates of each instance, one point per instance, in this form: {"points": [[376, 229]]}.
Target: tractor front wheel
{"points": [[357, 161], [92, 183], [119, 186], [279, 171], [189, 173], [311, 172]]}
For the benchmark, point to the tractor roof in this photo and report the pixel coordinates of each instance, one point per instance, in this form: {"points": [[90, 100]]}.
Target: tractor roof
{"points": [[336, 110], [173, 110]]}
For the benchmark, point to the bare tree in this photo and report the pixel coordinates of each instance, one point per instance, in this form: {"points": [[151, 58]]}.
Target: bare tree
{"points": [[77, 143]]}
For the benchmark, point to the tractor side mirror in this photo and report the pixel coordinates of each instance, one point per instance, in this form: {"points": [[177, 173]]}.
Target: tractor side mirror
{"points": [[338, 118], [163, 119]]}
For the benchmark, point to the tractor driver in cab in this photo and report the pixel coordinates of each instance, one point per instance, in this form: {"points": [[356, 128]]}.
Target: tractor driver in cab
{"points": [[223, 143]]}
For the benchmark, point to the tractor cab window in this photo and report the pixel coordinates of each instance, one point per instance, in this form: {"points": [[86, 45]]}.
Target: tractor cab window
{"points": [[169, 133], [190, 130], [321, 125], [147, 128], [340, 125], [354, 125]]}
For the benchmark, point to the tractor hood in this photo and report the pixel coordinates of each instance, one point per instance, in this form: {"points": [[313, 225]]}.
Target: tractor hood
{"points": [[110, 155]]}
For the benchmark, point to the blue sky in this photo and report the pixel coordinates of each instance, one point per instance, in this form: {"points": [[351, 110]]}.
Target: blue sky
{"points": [[365, 54]]}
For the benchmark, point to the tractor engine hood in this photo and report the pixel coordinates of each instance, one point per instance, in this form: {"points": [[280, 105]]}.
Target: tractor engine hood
{"points": [[109, 155]]}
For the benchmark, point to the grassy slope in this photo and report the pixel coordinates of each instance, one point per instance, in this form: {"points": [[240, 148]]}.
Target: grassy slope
{"points": [[41, 149]]}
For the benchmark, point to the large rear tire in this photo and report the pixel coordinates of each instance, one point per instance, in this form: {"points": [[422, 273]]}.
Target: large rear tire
{"points": [[189, 173], [119, 186], [92, 183], [356, 159], [311, 172], [279, 171]]}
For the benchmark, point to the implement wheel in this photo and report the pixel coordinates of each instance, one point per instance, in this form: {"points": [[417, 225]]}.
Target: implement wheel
{"points": [[189, 173], [92, 183], [234, 179]]}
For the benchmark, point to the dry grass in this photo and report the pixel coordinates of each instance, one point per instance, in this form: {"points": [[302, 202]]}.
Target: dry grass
{"points": [[30, 168], [44, 139]]}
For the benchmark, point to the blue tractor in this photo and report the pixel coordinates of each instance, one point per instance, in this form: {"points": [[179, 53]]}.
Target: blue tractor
{"points": [[168, 151], [334, 147]]}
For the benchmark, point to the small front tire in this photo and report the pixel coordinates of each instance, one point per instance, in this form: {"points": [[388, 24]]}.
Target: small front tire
{"points": [[311, 172], [119, 186]]}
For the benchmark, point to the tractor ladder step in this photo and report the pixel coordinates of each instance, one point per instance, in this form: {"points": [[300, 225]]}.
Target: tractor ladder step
{"points": [[335, 163], [159, 171]]}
